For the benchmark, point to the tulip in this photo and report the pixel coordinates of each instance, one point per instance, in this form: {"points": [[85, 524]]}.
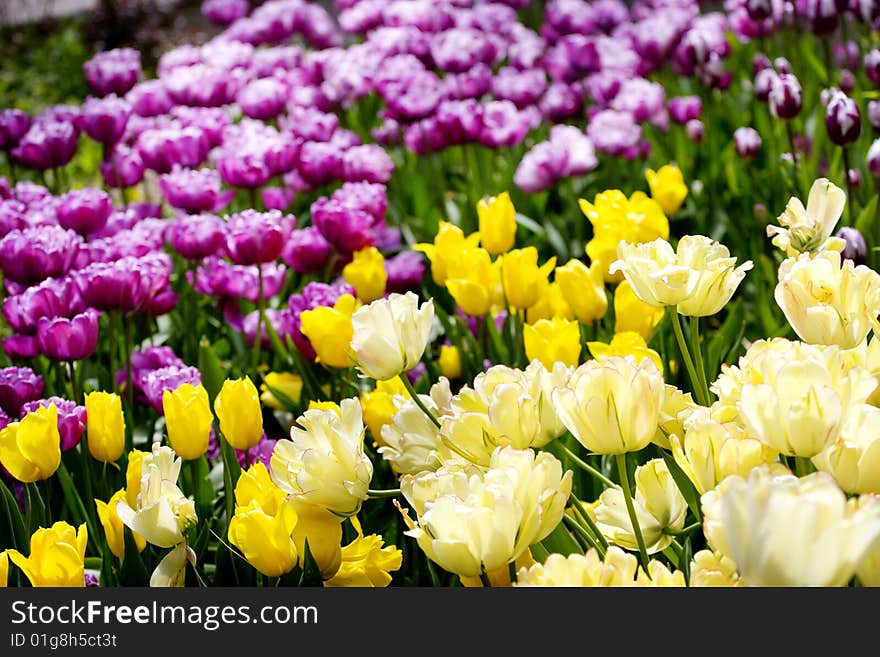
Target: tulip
{"points": [[851, 458], [63, 339], [84, 210], [449, 361], [617, 569], [161, 513], [583, 288], [785, 96], [57, 556], [4, 569], [237, 406], [114, 530], [366, 273], [324, 463], [667, 187], [14, 124], [330, 330], [194, 190], [30, 450], [113, 71], [71, 419], [48, 144], [613, 406], [283, 383], [104, 119], [524, 281], [31, 255], [404, 272], [747, 142], [712, 569], [633, 314], [842, 119], [196, 236], [474, 281], [390, 335], [262, 99], [822, 547], [552, 341], [365, 562], [188, 420], [19, 385], [171, 571], [855, 250], [497, 221], [378, 405], [253, 238], [809, 229], [122, 167], [265, 540], [449, 242], [626, 343], [105, 424], [307, 251]]}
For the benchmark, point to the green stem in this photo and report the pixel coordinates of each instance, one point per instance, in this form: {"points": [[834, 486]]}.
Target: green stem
{"points": [[686, 355], [583, 515], [587, 540], [484, 578], [74, 384], [415, 396], [374, 494], [698, 358], [586, 467], [194, 475], [261, 312], [630, 507], [111, 339], [682, 532], [850, 192]]}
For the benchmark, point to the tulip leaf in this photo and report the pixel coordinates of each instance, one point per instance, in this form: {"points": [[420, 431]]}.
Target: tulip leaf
{"points": [[12, 512], [213, 374], [133, 571], [685, 485], [311, 574], [35, 508], [560, 540], [866, 216]]}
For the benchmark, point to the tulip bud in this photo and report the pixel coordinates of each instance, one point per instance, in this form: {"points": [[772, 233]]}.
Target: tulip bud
{"points": [[855, 249], [785, 96], [874, 114], [30, 450], [847, 81], [873, 159], [758, 10], [56, 558], [822, 16], [188, 420], [855, 177], [694, 130], [114, 530], [105, 424], [872, 66], [764, 80], [366, 273], [782, 66], [760, 62], [747, 142], [238, 409], [497, 218], [842, 119]]}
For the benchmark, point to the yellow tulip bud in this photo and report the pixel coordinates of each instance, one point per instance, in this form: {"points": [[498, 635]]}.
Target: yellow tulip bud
{"points": [[366, 273], [105, 423], [551, 341], [256, 486], [474, 281], [188, 420], [551, 304], [324, 406], [323, 530], [628, 343], [238, 409], [497, 218], [524, 281], [667, 187], [633, 314], [56, 557], [583, 288], [287, 384], [31, 449], [266, 540], [378, 405], [365, 563], [114, 530], [329, 330], [4, 569], [133, 475], [449, 361], [448, 243]]}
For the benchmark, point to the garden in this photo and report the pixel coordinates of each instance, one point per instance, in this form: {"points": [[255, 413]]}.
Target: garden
{"points": [[444, 293]]}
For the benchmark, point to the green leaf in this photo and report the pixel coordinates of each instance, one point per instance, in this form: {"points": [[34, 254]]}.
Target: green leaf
{"points": [[133, 571], [561, 541], [12, 513], [866, 216], [311, 574], [213, 373], [685, 485], [726, 339]]}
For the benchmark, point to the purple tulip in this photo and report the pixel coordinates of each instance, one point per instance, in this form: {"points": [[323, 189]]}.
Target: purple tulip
{"points": [[194, 190], [155, 382], [277, 198], [309, 123], [121, 285], [307, 251], [522, 88], [320, 163], [561, 101], [150, 98], [503, 124], [47, 145], [256, 237], [405, 271], [263, 99], [615, 133], [785, 96], [259, 453], [54, 297], [225, 12], [161, 149], [5, 193], [113, 71], [747, 142], [244, 170], [218, 278], [347, 228], [874, 114], [872, 66], [280, 320], [14, 124], [847, 81], [822, 16], [866, 11], [842, 118], [201, 85], [84, 210], [212, 121], [18, 385], [873, 158], [28, 256], [367, 163], [855, 249], [65, 339], [104, 119], [764, 82], [123, 167], [12, 215], [197, 236], [473, 83], [684, 108], [459, 49], [568, 152], [21, 347], [313, 295]]}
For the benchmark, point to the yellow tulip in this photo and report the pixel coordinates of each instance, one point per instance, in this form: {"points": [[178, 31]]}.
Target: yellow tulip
{"points": [[448, 243], [56, 557], [474, 281], [4, 569], [551, 304], [366, 273], [614, 218], [287, 384], [553, 340], [378, 405], [584, 289], [449, 361], [266, 540], [114, 530], [627, 343], [31, 449], [329, 330], [133, 474], [497, 218], [188, 420], [238, 409], [325, 406], [633, 314], [323, 530], [667, 187], [365, 562], [524, 281], [255, 486], [105, 423]]}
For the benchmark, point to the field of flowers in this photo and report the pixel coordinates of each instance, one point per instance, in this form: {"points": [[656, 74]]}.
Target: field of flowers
{"points": [[451, 293]]}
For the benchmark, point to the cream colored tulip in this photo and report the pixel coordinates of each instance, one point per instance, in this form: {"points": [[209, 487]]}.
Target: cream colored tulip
{"points": [[717, 275], [677, 406], [660, 508], [654, 272], [171, 571], [853, 459], [617, 569], [613, 406], [390, 334], [804, 230], [324, 462], [780, 530], [828, 300], [711, 569]]}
